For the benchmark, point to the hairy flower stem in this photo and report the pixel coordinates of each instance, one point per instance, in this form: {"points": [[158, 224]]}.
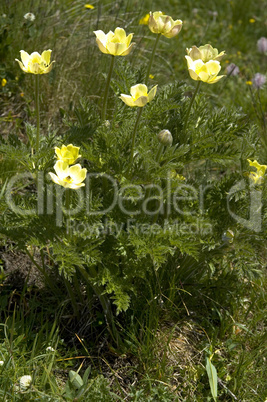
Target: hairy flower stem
{"points": [[152, 57], [159, 153], [105, 101], [37, 111], [139, 113], [190, 106]]}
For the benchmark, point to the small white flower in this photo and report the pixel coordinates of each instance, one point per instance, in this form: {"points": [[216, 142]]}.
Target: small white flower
{"points": [[1, 363], [29, 17], [25, 382], [50, 349]]}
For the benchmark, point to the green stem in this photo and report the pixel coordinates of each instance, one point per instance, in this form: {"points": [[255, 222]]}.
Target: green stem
{"points": [[190, 106], [159, 153], [152, 57], [104, 109], [37, 110], [134, 134], [72, 297]]}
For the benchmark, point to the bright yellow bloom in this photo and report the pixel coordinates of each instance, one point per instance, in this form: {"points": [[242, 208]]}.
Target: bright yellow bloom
{"points": [[164, 24], [4, 82], [252, 20], [249, 82], [36, 63], [151, 76], [144, 20], [67, 153], [206, 72], [257, 177], [68, 176], [204, 53], [139, 96], [115, 43], [89, 6]]}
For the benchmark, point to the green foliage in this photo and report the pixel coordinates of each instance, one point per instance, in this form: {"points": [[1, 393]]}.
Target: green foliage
{"points": [[161, 251]]}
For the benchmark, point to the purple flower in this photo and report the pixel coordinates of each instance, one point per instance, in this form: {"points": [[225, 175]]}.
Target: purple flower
{"points": [[232, 69], [258, 80], [262, 45]]}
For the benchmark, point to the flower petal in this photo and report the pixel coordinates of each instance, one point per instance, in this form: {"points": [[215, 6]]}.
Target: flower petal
{"points": [[138, 90], [127, 99], [46, 56], [25, 58], [152, 93]]}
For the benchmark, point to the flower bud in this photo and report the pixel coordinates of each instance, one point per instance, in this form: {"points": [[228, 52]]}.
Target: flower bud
{"points": [[165, 137]]}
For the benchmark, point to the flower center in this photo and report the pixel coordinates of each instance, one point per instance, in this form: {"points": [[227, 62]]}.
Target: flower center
{"points": [[68, 179]]}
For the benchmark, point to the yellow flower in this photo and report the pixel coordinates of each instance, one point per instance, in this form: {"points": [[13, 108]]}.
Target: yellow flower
{"points": [[164, 24], [139, 96], [257, 177], [144, 20], [89, 6], [151, 76], [36, 63], [249, 82], [68, 177], [252, 20], [4, 82], [206, 72], [67, 153], [115, 43], [204, 53]]}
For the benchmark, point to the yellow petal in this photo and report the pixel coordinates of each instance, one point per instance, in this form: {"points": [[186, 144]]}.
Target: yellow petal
{"points": [[141, 101], [25, 58], [127, 99], [46, 55], [152, 93], [138, 90], [120, 35], [127, 51]]}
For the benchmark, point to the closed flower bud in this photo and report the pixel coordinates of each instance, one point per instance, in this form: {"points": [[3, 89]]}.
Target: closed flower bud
{"points": [[165, 138], [228, 236]]}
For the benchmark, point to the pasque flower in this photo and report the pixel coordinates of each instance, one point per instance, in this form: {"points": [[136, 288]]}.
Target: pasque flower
{"points": [[68, 176], [205, 53], [35, 63], [139, 95], [115, 43], [206, 72], [68, 153], [257, 177], [160, 23]]}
